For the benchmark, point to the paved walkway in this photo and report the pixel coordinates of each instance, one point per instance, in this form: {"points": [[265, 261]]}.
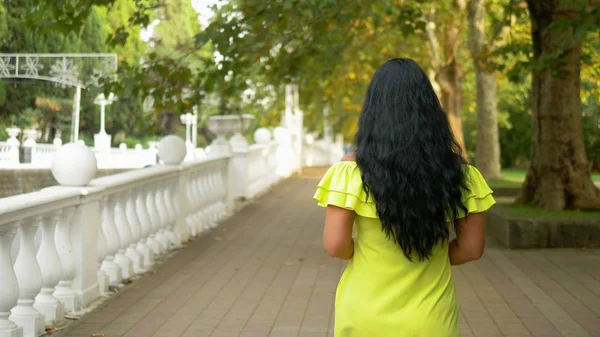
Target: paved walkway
{"points": [[264, 273]]}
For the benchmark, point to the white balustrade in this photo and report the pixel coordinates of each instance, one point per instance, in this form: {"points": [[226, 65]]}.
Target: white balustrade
{"points": [[139, 209], [47, 257], [64, 247], [43, 154], [136, 231], [6, 155], [150, 220], [161, 218], [96, 234], [29, 277], [126, 256], [170, 211], [254, 169], [103, 278], [113, 242], [9, 291]]}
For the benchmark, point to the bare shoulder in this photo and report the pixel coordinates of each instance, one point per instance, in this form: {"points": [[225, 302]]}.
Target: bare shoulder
{"points": [[349, 157]]}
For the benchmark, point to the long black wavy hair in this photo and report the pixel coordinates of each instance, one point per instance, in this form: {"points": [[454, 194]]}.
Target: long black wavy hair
{"points": [[410, 163]]}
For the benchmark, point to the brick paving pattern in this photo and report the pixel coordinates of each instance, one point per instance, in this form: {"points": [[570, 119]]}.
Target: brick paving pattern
{"points": [[264, 273]]}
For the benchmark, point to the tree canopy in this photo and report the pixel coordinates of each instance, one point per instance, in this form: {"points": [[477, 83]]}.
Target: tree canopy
{"points": [[487, 59]]}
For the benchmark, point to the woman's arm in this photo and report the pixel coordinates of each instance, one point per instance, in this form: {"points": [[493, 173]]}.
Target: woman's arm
{"points": [[337, 235], [470, 239]]}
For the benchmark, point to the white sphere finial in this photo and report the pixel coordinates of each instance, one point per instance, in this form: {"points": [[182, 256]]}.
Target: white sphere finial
{"points": [[74, 165], [171, 150], [262, 136], [282, 135]]}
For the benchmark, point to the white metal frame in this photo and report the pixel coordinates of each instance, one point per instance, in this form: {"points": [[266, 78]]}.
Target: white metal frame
{"points": [[63, 71]]}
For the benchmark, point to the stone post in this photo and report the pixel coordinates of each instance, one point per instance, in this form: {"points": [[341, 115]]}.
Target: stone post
{"points": [[172, 152], [13, 146], [29, 145], [74, 166]]}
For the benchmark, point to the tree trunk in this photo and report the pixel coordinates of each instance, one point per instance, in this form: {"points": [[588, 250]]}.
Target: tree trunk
{"points": [[450, 79], [449, 73], [559, 175], [487, 157]]}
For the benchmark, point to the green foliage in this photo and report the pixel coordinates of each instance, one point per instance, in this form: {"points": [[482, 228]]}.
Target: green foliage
{"points": [[178, 24], [515, 134], [20, 99], [117, 17], [591, 131], [329, 47]]}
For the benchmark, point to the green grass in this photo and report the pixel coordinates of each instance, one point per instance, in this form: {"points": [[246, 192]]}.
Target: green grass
{"points": [[502, 183], [514, 179], [519, 175], [534, 212]]}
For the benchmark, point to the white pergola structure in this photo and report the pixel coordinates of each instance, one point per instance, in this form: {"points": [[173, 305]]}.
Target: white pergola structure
{"points": [[66, 70]]}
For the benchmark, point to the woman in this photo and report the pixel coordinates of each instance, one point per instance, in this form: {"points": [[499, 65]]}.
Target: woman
{"points": [[404, 188]]}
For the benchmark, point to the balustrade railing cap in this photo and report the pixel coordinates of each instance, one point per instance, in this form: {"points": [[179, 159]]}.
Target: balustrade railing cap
{"points": [[204, 161], [33, 204], [133, 178]]}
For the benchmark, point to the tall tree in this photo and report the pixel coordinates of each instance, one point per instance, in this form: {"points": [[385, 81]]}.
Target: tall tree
{"points": [[559, 175], [178, 24], [117, 16], [444, 32], [487, 158]]}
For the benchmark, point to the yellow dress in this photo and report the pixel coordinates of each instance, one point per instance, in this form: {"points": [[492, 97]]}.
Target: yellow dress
{"points": [[381, 293]]}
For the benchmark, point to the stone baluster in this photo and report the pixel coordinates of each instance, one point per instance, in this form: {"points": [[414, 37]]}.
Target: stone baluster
{"points": [[175, 200], [162, 216], [126, 232], [64, 247], [122, 258], [47, 257], [179, 209], [29, 277], [202, 204], [113, 243], [163, 209], [166, 200], [206, 199], [170, 212], [9, 289], [133, 215], [145, 228], [181, 205], [192, 220], [222, 183], [210, 201], [221, 191], [157, 218], [214, 179], [103, 279], [149, 221]]}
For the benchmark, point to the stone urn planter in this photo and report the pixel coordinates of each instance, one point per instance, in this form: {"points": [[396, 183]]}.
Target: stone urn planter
{"points": [[13, 145], [224, 124], [13, 133]]}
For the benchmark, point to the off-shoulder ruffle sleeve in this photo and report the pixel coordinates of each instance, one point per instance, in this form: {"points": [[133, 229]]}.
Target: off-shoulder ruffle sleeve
{"points": [[342, 186], [479, 198]]}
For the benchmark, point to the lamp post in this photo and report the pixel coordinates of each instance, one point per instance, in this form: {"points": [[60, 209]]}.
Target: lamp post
{"points": [[102, 139], [188, 120]]}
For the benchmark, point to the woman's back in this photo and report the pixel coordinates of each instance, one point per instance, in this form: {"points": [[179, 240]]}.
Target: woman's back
{"points": [[382, 293], [406, 185]]}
